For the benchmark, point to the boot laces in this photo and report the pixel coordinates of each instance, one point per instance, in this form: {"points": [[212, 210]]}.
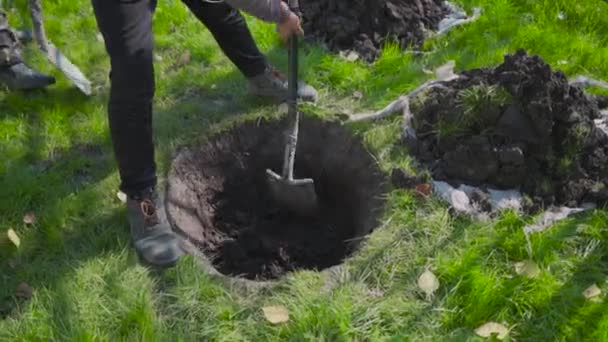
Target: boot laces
{"points": [[149, 211]]}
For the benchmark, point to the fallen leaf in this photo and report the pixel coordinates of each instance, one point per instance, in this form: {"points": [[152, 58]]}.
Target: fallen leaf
{"points": [[122, 196], [13, 237], [527, 268], [24, 291], [29, 218], [276, 314], [184, 59], [12, 263], [592, 292], [492, 328], [424, 189], [428, 283]]}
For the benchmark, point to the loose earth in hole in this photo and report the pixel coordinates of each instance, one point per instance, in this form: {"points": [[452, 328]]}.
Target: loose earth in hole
{"points": [[218, 198]]}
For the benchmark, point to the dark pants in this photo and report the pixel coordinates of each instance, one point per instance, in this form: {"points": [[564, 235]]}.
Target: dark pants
{"points": [[126, 26]]}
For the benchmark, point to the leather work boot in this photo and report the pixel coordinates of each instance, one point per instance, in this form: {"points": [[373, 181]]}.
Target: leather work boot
{"points": [[14, 73], [19, 76], [155, 243], [273, 84]]}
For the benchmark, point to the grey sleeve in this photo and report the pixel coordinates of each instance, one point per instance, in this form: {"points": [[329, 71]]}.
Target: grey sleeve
{"points": [[267, 10]]}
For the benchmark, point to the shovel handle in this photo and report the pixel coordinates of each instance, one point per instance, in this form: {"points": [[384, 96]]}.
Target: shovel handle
{"points": [[292, 101], [37, 20]]}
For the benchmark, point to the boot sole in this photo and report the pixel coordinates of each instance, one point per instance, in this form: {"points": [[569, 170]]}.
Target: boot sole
{"points": [[166, 265]]}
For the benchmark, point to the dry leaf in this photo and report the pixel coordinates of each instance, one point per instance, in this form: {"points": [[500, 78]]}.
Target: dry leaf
{"points": [[424, 189], [592, 292], [24, 291], [527, 268], [492, 328], [276, 314], [184, 59], [29, 218], [13, 237], [12, 263], [428, 283], [122, 196]]}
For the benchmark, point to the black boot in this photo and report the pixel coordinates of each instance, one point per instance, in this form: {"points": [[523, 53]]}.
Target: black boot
{"points": [[21, 77], [154, 240], [14, 73]]}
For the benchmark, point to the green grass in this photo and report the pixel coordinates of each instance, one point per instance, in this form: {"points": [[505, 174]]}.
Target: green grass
{"points": [[89, 287]]}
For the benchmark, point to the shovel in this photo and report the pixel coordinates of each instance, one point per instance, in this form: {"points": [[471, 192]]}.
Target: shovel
{"points": [[53, 54], [295, 195]]}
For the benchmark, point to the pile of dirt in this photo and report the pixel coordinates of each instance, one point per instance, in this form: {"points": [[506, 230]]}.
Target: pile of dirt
{"points": [[364, 25], [218, 198], [518, 125]]}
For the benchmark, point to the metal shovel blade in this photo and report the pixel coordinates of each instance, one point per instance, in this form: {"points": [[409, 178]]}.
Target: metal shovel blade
{"points": [[297, 196], [71, 71]]}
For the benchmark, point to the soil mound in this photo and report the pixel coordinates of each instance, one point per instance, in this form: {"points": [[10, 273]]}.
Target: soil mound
{"points": [[363, 25], [218, 198], [519, 125]]}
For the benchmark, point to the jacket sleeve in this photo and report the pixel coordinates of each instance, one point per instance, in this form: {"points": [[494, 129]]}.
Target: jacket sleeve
{"points": [[267, 10]]}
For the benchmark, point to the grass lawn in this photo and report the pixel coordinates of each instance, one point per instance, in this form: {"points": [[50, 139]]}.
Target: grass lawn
{"points": [[56, 161]]}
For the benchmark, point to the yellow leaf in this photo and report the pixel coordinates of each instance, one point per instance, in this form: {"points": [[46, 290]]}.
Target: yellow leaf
{"points": [[29, 218], [13, 237], [122, 197], [428, 283], [527, 268], [492, 328], [276, 314], [592, 292]]}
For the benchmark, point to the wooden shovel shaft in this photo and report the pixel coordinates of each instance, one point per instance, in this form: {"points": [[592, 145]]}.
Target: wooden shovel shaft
{"points": [[292, 101], [35, 7]]}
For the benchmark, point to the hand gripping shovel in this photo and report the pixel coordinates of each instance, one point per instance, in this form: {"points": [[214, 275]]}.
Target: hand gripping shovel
{"points": [[295, 195]]}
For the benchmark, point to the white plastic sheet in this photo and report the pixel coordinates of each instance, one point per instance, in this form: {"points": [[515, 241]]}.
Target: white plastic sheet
{"points": [[456, 17], [460, 200]]}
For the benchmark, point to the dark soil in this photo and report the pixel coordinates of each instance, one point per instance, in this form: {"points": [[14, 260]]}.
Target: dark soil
{"points": [[217, 196], [537, 134], [364, 25]]}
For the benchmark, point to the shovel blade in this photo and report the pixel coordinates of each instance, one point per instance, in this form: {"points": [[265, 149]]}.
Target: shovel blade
{"points": [[297, 196], [68, 68]]}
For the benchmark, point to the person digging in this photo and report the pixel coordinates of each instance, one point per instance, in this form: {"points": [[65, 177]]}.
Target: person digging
{"points": [[126, 27], [14, 73]]}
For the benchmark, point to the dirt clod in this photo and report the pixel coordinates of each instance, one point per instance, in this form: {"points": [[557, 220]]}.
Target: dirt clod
{"points": [[518, 125], [364, 25], [217, 196]]}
